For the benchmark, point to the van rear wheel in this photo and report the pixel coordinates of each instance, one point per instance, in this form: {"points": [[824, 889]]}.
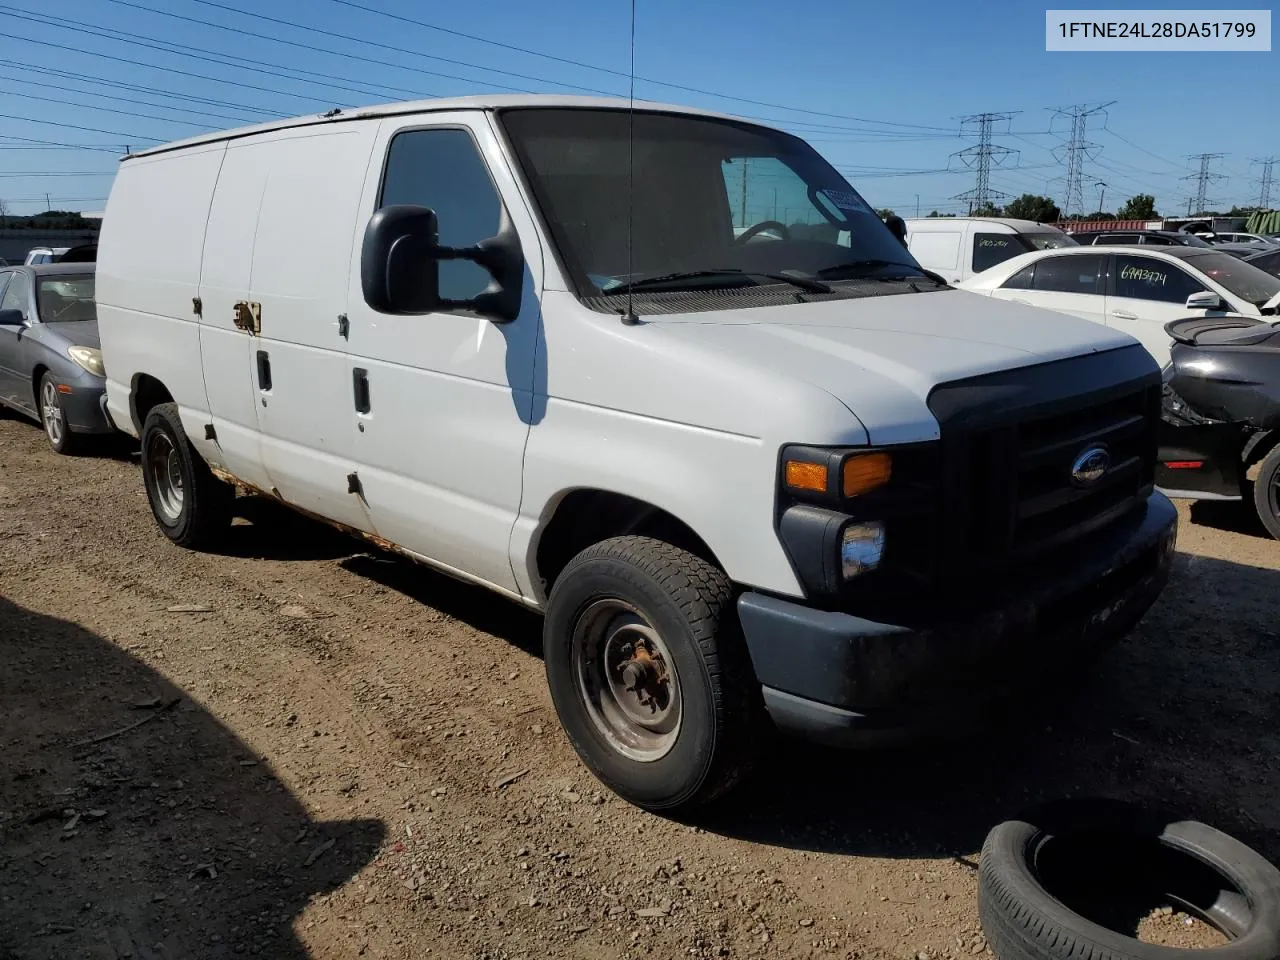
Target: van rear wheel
{"points": [[648, 674], [191, 505]]}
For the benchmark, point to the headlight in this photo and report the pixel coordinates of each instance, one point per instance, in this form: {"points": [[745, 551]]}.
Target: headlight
{"points": [[88, 358], [861, 547]]}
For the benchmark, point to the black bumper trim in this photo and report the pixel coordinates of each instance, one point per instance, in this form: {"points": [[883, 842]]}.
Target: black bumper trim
{"points": [[829, 675]]}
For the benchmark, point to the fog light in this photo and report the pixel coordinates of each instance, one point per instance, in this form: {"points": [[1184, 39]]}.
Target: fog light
{"points": [[861, 547]]}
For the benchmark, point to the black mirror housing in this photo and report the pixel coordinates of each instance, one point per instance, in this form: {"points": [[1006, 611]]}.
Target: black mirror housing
{"points": [[11, 318], [400, 262], [400, 266]]}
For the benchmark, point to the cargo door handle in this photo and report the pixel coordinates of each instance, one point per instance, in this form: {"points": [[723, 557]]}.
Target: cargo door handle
{"points": [[1124, 315], [360, 385], [264, 371]]}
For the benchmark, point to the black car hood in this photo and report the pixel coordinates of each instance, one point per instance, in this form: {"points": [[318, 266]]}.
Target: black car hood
{"points": [[78, 333]]}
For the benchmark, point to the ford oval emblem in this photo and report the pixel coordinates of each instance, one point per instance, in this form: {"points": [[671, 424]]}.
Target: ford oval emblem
{"points": [[1090, 466]]}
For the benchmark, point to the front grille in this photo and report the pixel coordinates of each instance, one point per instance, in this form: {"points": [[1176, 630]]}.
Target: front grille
{"points": [[1009, 442], [1022, 473]]}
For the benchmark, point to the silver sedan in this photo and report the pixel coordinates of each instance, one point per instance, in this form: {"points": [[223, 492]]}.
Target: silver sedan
{"points": [[50, 361]]}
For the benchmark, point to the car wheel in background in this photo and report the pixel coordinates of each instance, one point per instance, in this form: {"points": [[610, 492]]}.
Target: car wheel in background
{"points": [[1266, 492], [54, 419]]}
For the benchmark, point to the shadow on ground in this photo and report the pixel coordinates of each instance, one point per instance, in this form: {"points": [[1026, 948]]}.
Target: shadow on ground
{"points": [[1184, 714], [132, 830], [1232, 516]]}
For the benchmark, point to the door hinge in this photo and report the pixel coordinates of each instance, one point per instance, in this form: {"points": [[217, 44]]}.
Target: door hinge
{"points": [[353, 484], [344, 327], [197, 306], [209, 432], [248, 316]]}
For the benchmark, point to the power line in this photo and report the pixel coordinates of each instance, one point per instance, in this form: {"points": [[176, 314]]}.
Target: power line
{"points": [[1076, 151], [124, 113], [73, 126], [136, 88], [174, 70], [54, 145], [981, 157], [211, 56], [1106, 129], [46, 85], [1203, 177], [344, 54], [621, 73]]}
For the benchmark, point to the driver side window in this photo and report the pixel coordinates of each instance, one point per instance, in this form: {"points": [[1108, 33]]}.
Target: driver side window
{"points": [[766, 190]]}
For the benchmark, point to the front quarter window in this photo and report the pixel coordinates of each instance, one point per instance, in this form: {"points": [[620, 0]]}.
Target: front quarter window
{"points": [[713, 205]]}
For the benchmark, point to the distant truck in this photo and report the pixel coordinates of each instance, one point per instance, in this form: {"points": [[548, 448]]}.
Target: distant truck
{"points": [[956, 248]]}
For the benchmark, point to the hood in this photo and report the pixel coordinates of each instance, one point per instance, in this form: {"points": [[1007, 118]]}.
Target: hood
{"points": [[882, 356], [76, 333]]}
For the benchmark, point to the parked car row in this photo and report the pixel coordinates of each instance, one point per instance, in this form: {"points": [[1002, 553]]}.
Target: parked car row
{"points": [[751, 473]]}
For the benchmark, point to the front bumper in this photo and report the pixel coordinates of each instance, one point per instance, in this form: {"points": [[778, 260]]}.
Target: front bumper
{"points": [[840, 679], [85, 408]]}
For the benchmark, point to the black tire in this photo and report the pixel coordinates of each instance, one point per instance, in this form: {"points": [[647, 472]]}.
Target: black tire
{"points": [[688, 604], [60, 438], [1059, 883], [1266, 492], [202, 513]]}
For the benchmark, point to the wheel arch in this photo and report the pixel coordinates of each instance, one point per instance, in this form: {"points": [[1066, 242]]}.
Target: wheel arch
{"points": [[145, 393], [587, 515]]}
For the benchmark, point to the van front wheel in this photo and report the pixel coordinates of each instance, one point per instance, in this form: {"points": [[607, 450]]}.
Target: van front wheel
{"points": [[649, 677], [191, 505]]}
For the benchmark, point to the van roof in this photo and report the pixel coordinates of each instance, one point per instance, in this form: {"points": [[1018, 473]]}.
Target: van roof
{"points": [[1021, 226], [437, 105]]}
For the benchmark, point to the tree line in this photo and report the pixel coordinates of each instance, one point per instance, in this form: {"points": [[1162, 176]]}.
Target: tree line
{"points": [[1031, 206]]}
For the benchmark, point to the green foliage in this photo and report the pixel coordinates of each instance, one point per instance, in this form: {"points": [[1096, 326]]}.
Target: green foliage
{"points": [[1140, 207], [1029, 206]]}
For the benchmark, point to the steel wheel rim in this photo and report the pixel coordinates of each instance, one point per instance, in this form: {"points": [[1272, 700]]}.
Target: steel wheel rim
{"points": [[51, 413], [1273, 493], [627, 680], [165, 470]]}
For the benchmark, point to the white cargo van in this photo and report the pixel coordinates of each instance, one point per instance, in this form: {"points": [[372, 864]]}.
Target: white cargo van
{"points": [[958, 247], [790, 482]]}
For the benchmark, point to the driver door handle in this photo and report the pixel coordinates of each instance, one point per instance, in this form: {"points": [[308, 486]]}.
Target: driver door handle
{"points": [[1124, 315]]}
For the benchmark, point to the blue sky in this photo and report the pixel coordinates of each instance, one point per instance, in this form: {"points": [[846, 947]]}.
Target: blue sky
{"points": [[878, 88]]}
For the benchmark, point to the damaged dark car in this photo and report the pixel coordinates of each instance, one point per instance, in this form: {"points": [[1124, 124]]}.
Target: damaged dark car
{"points": [[1220, 431]]}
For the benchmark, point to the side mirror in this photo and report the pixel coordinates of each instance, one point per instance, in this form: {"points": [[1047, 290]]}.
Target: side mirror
{"points": [[400, 266], [1204, 300], [11, 318]]}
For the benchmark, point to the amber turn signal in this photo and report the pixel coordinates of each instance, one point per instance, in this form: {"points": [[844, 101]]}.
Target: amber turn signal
{"points": [[801, 475], [864, 472]]}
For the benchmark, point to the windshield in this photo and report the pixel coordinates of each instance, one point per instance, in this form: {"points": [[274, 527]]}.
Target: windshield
{"points": [[715, 205], [66, 296], [1242, 279], [1047, 241]]}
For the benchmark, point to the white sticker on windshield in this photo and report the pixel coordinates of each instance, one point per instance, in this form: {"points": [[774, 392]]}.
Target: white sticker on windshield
{"points": [[847, 200]]}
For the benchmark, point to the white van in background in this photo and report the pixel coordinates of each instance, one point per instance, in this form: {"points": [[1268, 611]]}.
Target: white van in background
{"points": [[958, 247], [746, 478]]}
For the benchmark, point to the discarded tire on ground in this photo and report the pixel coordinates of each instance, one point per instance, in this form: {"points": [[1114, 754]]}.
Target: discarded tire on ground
{"points": [[1072, 880]]}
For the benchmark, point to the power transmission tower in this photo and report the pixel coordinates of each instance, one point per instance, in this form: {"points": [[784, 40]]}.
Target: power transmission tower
{"points": [[1076, 151], [982, 156], [1203, 177], [1264, 183]]}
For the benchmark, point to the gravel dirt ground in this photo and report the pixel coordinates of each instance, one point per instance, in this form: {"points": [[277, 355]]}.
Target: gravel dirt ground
{"points": [[300, 749]]}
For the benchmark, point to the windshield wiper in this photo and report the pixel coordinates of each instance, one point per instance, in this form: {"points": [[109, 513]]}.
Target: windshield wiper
{"points": [[856, 269], [678, 280]]}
